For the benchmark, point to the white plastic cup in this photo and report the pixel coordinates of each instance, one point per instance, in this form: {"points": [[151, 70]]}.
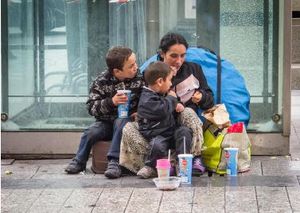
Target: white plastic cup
{"points": [[163, 168], [185, 167], [123, 109], [231, 155]]}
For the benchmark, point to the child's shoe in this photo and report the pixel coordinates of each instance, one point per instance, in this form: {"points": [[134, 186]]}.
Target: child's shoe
{"points": [[147, 172], [198, 168], [172, 171]]}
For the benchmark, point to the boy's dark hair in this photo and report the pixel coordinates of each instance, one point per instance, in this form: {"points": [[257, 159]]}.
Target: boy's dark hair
{"points": [[169, 40], [116, 57], [155, 71]]}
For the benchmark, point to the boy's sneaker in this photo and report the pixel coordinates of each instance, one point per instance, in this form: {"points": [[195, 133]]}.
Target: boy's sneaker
{"points": [[146, 172], [75, 167], [198, 168], [113, 169]]}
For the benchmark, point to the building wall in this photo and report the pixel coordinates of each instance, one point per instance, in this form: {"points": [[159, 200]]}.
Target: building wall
{"points": [[295, 84]]}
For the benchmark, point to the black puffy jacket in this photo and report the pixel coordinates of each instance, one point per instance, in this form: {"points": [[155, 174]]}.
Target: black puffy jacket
{"points": [[156, 114]]}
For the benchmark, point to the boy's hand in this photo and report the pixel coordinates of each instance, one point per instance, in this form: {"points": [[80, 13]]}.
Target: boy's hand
{"points": [[179, 107], [119, 98], [197, 97]]}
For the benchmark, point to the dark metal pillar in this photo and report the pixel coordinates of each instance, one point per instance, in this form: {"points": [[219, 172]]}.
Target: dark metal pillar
{"points": [[98, 40], [208, 24], [275, 54], [152, 26], [41, 45], [4, 56]]}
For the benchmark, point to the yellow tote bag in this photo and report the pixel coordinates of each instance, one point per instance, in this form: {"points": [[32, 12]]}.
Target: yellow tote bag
{"points": [[212, 149]]}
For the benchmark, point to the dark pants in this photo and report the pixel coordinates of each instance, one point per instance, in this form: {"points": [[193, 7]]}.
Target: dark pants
{"points": [[160, 145], [101, 131]]}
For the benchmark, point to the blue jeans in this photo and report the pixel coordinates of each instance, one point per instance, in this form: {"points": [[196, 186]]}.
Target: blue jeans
{"points": [[101, 131]]}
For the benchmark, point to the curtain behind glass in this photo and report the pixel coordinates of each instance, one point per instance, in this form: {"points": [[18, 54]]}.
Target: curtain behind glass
{"points": [[127, 27]]}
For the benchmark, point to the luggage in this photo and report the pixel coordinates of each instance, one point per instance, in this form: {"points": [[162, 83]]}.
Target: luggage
{"points": [[99, 159]]}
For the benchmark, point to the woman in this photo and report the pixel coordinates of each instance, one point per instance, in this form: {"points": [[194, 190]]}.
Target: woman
{"points": [[190, 86], [188, 82]]}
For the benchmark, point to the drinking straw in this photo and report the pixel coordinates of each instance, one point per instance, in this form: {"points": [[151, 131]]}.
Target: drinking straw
{"points": [[184, 151], [169, 155]]}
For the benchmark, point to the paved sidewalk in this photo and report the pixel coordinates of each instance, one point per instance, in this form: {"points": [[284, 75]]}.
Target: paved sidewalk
{"points": [[272, 185]]}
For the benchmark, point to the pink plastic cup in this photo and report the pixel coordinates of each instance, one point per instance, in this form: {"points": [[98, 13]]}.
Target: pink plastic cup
{"points": [[163, 168]]}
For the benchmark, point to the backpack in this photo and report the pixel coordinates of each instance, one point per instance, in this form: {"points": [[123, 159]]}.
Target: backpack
{"points": [[223, 78]]}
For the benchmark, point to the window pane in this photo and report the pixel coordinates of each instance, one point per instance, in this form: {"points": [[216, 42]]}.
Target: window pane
{"points": [[47, 65], [56, 47]]}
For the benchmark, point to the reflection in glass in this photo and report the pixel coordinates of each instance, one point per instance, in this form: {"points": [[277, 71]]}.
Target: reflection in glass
{"points": [[50, 41]]}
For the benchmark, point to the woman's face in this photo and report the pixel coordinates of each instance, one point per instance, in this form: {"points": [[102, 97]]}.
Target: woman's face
{"points": [[175, 56]]}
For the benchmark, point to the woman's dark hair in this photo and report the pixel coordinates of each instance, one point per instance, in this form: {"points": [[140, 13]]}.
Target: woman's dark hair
{"points": [[155, 71], [169, 40], [116, 57]]}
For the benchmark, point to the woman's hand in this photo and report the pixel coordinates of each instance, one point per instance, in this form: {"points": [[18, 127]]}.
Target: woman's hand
{"points": [[172, 93], [119, 98], [174, 70], [196, 98], [179, 107]]}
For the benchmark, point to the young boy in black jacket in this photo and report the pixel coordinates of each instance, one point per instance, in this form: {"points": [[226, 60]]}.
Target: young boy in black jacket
{"points": [[157, 117]]}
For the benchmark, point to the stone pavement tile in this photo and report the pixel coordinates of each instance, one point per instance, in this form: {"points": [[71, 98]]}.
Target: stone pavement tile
{"points": [[18, 171], [272, 181], [251, 180], [7, 161], [57, 171], [272, 199], [15, 207], [294, 137], [20, 200], [44, 162], [5, 193], [295, 154], [113, 200], [180, 200], [144, 200], [52, 197], [255, 169], [76, 210], [294, 196], [209, 199], [86, 197], [135, 181], [240, 199], [281, 167], [297, 127], [67, 181], [44, 209], [215, 180], [294, 142]]}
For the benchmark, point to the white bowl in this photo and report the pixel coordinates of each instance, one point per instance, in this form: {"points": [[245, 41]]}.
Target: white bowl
{"points": [[168, 183]]}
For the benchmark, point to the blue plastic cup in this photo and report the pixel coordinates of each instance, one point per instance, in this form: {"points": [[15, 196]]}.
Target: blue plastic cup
{"points": [[231, 155], [185, 167], [123, 109]]}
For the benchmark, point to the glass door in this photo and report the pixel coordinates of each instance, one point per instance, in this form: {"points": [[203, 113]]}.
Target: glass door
{"points": [[246, 33], [45, 83]]}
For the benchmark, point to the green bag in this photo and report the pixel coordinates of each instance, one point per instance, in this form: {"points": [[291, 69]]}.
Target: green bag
{"points": [[212, 149]]}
